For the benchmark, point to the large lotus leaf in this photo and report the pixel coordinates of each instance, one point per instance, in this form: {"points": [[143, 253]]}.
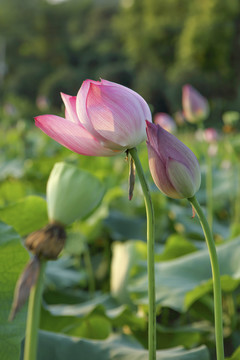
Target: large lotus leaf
{"points": [[58, 317], [103, 301], [12, 190], [124, 227], [92, 326], [13, 257], [62, 274], [184, 335], [176, 278], [176, 246], [61, 347], [26, 215], [228, 284], [235, 355], [184, 223]]}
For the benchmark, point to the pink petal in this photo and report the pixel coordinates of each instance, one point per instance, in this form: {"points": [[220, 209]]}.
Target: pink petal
{"points": [[81, 106], [70, 107], [158, 172], [168, 146], [173, 165], [142, 102], [71, 135], [181, 178], [112, 113], [115, 115], [152, 135]]}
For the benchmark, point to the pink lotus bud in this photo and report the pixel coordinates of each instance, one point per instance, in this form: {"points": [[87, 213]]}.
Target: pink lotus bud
{"points": [[104, 119], [210, 135], [174, 167], [195, 106], [166, 122]]}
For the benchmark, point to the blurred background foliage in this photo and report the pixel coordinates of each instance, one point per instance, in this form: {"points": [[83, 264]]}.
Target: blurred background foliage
{"points": [[153, 46]]}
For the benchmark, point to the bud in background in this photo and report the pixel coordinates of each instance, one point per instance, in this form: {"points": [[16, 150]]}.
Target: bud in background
{"points": [[71, 193], [174, 167], [210, 135], [166, 122], [195, 106]]}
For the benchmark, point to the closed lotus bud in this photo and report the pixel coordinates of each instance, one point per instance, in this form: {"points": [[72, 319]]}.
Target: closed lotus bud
{"points": [[174, 167], [71, 193], [195, 106]]}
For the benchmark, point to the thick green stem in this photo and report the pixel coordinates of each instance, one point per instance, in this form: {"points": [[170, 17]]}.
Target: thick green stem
{"points": [[34, 307], [216, 278], [150, 256]]}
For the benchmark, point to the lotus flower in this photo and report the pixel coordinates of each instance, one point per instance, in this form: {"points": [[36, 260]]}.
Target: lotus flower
{"points": [[104, 119], [174, 167], [166, 122], [195, 106]]}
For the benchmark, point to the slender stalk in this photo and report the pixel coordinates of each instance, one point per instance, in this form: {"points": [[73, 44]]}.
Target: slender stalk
{"points": [[88, 263], [216, 278], [150, 256], [34, 307]]}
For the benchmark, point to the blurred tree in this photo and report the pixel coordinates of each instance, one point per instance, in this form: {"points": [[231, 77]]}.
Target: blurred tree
{"points": [[53, 48], [153, 46], [207, 48], [149, 36], [183, 41], [151, 29]]}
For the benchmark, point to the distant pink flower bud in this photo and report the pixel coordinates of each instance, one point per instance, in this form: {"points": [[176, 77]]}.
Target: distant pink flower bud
{"points": [[166, 122], [174, 167], [195, 106], [210, 135], [104, 119]]}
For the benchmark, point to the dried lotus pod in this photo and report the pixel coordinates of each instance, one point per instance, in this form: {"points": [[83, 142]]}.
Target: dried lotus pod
{"points": [[48, 242]]}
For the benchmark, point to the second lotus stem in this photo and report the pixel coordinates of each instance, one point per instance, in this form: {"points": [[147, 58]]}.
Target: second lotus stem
{"points": [[150, 256]]}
